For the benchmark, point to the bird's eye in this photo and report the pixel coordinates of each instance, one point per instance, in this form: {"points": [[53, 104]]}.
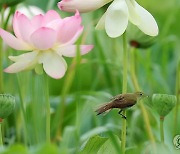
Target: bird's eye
{"points": [[141, 94]]}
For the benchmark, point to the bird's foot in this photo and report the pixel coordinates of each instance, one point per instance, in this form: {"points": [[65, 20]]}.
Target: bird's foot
{"points": [[120, 111], [123, 116]]}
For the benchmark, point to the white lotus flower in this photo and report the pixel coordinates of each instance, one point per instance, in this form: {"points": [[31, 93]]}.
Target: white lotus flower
{"points": [[119, 13]]}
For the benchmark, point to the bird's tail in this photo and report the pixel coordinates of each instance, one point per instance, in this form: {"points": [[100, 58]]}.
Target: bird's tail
{"points": [[103, 108]]}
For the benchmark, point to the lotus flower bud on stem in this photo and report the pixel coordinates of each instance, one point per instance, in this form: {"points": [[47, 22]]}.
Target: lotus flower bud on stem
{"points": [[7, 105], [163, 104]]}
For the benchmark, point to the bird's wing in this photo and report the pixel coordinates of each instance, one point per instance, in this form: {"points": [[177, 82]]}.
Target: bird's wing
{"points": [[117, 97], [121, 102]]}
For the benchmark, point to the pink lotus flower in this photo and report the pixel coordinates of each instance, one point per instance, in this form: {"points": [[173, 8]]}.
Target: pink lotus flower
{"points": [[48, 37]]}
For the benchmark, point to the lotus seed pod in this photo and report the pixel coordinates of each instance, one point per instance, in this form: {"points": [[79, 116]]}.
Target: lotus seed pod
{"points": [[141, 44], [163, 103], [137, 39], [7, 105]]}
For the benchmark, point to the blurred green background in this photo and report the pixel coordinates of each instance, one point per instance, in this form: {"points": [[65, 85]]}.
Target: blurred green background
{"points": [[94, 81]]}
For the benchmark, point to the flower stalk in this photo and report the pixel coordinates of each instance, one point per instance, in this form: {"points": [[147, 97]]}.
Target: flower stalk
{"points": [[162, 128], [1, 68], [1, 55], [1, 141], [137, 88], [178, 99], [124, 90], [22, 106], [59, 116], [48, 107]]}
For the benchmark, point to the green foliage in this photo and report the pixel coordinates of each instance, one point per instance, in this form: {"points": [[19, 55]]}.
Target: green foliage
{"points": [[16, 149], [9, 3], [46, 149], [75, 128], [69, 138], [99, 145], [108, 147], [94, 144]]}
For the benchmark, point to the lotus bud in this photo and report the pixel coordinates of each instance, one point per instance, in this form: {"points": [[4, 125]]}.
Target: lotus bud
{"points": [[7, 105], [163, 103]]}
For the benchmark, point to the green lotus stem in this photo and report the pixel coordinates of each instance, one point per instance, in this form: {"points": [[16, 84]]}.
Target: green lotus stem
{"points": [[137, 88], [133, 69], [1, 141], [48, 114], [3, 24], [124, 90], [59, 116], [50, 4], [1, 54], [178, 99], [162, 129], [1, 68], [22, 109]]}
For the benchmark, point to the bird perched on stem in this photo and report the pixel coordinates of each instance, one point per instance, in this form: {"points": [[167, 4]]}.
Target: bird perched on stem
{"points": [[122, 102]]}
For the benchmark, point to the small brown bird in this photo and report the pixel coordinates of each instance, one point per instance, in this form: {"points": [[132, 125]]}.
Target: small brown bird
{"points": [[121, 102]]}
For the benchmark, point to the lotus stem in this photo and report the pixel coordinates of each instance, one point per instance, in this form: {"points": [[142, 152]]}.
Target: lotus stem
{"points": [[162, 129], [124, 90], [137, 88], [48, 114], [1, 141]]}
